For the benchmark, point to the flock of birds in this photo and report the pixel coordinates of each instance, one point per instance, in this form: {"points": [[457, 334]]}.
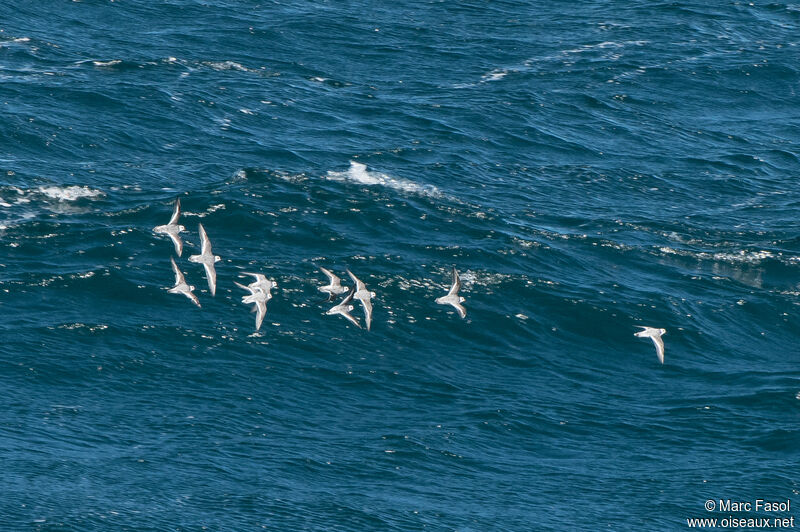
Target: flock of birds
{"points": [[260, 290]]}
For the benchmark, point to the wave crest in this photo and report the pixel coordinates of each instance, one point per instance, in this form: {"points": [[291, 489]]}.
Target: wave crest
{"points": [[358, 173], [70, 193]]}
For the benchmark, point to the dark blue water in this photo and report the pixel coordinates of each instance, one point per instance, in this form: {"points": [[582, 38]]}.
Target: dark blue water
{"points": [[586, 167]]}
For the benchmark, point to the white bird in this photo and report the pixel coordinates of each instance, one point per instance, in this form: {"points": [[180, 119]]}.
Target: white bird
{"points": [[259, 298], [173, 228], [655, 335], [181, 286], [452, 297], [207, 259], [334, 286], [345, 308], [261, 283], [363, 295]]}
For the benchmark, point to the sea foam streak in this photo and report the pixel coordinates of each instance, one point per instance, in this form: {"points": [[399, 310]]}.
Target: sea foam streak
{"points": [[70, 193], [112, 62], [358, 173]]}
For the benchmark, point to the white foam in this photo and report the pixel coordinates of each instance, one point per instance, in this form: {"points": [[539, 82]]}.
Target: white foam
{"points": [[70, 193], [17, 40], [753, 257], [358, 173], [213, 208], [604, 45], [741, 256], [107, 63], [226, 65], [494, 75]]}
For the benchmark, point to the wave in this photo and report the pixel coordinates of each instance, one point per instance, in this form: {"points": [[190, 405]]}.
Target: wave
{"points": [[7, 42], [13, 195], [226, 65], [358, 173], [24, 204], [603, 45], [107, 63], [742, 256], [495, 75], [212, 209], [70, 193]]}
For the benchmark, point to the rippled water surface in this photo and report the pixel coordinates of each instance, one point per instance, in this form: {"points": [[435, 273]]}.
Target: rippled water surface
{"points": [[587, 168]]}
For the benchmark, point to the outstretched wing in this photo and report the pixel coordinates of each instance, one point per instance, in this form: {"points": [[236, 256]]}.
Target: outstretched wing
{"points": [[351, 319], [194, 299], [178, 275], [205, 243], [211, 275], [261, 311], [359, 285], [334, 280], [456, 283], [243, 287], [176, 213], [367, 304], [260, 277], [176, 239], [659, 348]]}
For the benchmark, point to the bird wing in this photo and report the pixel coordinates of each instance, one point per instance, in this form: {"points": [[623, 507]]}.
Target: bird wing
{"points": [[205, 246], [261, 309], [659, 348], [176, 213], [359, 285], [258, 276], [334, 280], [350, 318], [176, 239], [367, 304], [456, 283], [193, 297], [461, 310], [211, 275], [243, 287], [178, 275]]}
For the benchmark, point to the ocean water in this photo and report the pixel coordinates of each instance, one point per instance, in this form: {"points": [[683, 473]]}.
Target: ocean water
{"points": [[587, 167]]}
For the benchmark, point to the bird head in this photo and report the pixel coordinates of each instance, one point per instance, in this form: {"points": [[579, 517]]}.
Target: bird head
{"points": [[181, 228], [217, 258], [461, 299]]}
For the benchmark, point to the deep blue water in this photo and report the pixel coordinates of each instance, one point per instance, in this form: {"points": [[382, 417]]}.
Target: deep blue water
{"points": [[587, 168]]}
